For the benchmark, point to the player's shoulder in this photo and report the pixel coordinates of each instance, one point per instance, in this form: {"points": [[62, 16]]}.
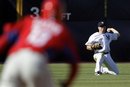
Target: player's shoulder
{"points": [[95, 34]]}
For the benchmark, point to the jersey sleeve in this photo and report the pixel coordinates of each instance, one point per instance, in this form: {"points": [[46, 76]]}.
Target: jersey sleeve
{"points": [[9, 34], [4, 38], [70, 42], [91, 39], [112, 36]]}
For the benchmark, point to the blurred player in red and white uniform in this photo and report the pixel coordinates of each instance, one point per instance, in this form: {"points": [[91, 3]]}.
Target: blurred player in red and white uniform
{"points": [[26, 64]]}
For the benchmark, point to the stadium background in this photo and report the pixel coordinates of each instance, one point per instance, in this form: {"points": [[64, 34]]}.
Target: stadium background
{"points": [[82, 19]]}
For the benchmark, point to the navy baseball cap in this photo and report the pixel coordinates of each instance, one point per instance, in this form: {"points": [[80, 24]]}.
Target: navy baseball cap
{"points": [[101, 24]]}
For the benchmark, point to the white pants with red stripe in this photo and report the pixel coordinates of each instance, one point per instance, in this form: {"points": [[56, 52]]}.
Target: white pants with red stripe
{"points": [[26, 68]]}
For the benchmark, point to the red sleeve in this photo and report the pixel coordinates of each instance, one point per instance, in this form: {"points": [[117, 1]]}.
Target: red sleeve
{"points": [[4, 37], [8, 30], [69, 40], [74, 67]]}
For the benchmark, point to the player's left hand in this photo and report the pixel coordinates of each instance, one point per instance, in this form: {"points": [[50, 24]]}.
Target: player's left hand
{"points": [[96, 45]]}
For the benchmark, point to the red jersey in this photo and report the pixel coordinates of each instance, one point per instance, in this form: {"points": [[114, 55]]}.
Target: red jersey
{"points": [[39, 35]]}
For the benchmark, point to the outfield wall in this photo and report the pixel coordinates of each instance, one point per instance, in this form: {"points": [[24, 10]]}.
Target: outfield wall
{"points": [[82, 17]]}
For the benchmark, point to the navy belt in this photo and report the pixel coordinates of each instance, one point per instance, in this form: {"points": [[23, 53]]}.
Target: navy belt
{"points": [[106, 52], [103, 52]]}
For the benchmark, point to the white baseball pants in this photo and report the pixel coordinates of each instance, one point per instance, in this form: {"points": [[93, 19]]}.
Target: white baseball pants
{"points": [[26, 68], [101, 58]]}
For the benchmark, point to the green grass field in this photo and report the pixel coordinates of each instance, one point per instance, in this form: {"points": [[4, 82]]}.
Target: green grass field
{"points": [[86, 77]]}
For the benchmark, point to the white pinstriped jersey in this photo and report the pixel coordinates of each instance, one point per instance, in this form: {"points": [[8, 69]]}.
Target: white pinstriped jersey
{"points": [[104, 39]]}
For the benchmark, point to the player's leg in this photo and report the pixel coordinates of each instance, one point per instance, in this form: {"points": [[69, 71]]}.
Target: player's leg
{"points": [[10, 73], [105, 70], [108, 61], [98, 57], [35, 70], [46, 78], [39, 79]]}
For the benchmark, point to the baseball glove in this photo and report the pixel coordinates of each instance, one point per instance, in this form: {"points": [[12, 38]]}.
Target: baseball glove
{"points": [[96, 45]]}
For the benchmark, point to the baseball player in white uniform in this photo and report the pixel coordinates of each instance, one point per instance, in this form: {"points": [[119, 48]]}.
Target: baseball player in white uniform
{"points": [[102, 55]]}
